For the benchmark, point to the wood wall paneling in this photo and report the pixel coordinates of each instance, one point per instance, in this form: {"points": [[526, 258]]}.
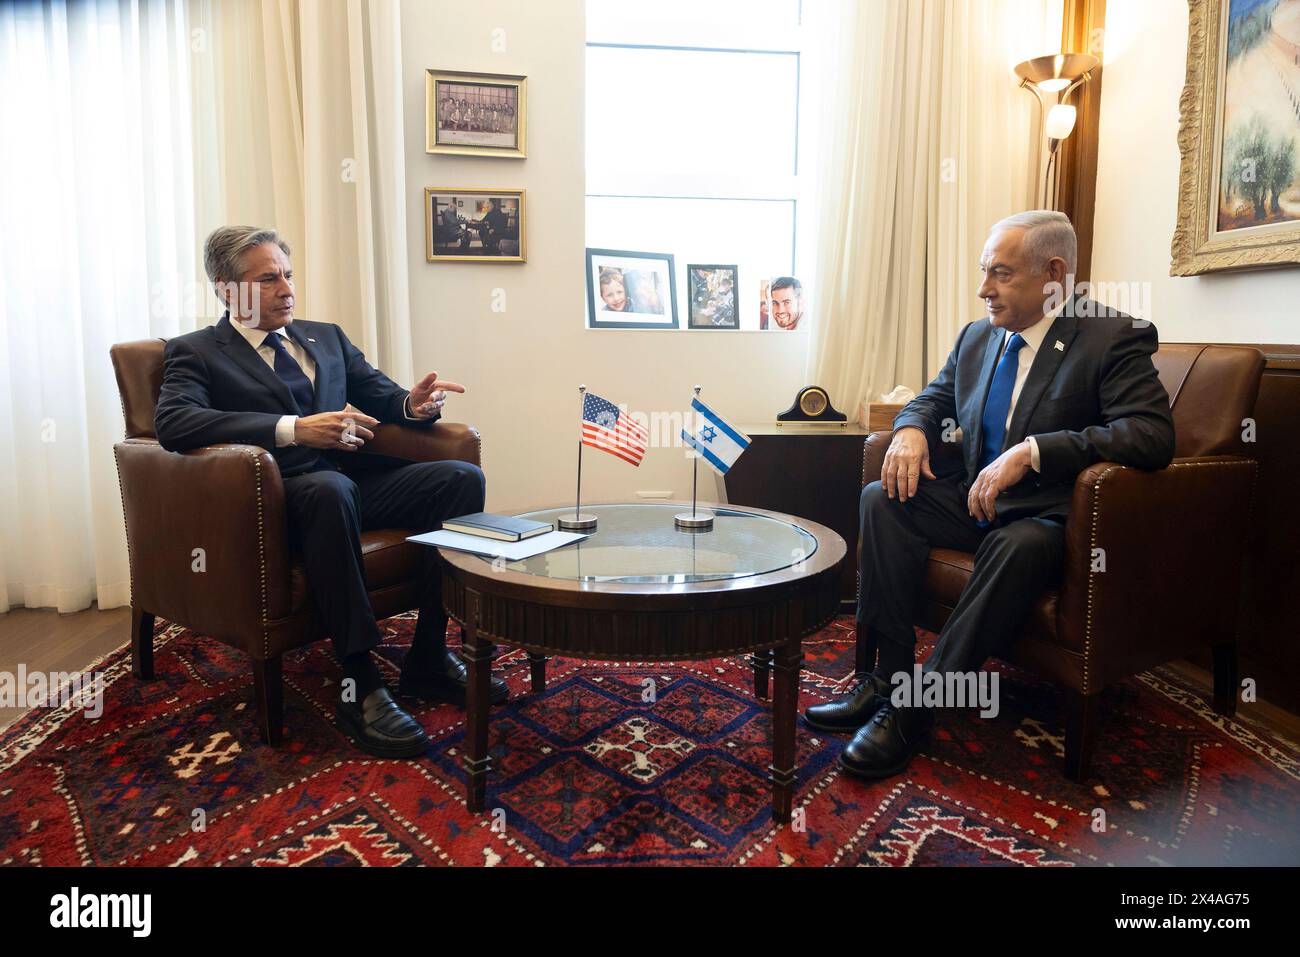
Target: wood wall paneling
{"points": [[1082, 31]]}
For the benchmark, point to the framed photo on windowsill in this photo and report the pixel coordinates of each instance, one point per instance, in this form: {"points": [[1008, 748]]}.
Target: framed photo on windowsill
{"points": [[630, 290], [711, 295], [474, 225], [479, 114]]}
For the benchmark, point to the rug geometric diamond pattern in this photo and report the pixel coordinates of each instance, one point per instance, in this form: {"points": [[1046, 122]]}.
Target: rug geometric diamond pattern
{"points": [[618, 763]]}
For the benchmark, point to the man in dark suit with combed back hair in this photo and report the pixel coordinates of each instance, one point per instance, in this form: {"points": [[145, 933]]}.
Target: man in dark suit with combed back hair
{"points": [[1044, 386], [304, 393]]}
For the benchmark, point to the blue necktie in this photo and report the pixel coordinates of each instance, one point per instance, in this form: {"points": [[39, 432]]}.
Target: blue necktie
{"points": [[291, 374], [998, 404]]}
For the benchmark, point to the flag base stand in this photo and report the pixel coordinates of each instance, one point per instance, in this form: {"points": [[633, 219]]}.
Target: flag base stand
{"points": [[700, 521], [581, 522]]}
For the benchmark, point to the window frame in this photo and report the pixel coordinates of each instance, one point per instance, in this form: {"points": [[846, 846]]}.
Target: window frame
{"points": [[795, 188]]}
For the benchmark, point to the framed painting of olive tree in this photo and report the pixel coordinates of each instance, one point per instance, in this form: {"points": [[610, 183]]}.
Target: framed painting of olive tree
{"points": [[1239, 188]]}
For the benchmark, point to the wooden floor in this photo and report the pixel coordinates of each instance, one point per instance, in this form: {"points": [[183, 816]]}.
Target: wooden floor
{"points": [[44, 640]]}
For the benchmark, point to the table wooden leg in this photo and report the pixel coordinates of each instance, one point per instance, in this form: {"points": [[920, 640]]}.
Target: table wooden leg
{"points": [[762, 663], [477, 651], [537, 667], [785, 706]]}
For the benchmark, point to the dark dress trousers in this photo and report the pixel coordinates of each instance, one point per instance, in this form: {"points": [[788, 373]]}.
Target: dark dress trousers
{"points": [[1092, 394], [216, 388]]}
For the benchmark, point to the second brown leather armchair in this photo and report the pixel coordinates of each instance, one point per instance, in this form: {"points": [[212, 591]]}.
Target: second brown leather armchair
{"points": [[1167, 578]]}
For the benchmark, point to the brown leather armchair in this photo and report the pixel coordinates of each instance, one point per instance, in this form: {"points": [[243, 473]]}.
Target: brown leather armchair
{"points": [[1173, 540], [229, 500]]}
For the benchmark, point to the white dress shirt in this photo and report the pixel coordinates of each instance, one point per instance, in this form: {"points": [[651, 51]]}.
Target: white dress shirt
{"points": [[284, 429], [1033, 337]]}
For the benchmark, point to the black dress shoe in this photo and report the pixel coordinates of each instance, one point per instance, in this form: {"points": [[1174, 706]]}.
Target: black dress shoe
{"points": [[447, 684], [886, 745], [851, 712], [380, 726]]}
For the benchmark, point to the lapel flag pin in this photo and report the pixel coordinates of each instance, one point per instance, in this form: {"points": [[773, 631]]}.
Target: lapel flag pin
{"points": [[1060, 346]]}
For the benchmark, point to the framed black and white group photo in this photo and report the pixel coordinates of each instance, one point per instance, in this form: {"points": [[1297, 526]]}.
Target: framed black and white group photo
{"points": [[478, 114]]}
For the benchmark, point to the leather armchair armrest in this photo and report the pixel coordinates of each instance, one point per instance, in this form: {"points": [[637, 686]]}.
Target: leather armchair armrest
{"points": [[873, 455], [227, 500], [440, 442], [1153, 562]]}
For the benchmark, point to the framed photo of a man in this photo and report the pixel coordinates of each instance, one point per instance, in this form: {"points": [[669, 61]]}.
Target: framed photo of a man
{"points": [[782, 310], [630, 290], [711, 295], [474, 225], [480, 114]]}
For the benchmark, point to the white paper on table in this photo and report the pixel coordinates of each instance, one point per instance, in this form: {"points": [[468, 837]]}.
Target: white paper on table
{"points": [[511, 551]]}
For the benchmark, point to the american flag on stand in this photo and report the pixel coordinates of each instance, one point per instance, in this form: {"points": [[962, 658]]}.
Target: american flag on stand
{"points": [[604, 427]]}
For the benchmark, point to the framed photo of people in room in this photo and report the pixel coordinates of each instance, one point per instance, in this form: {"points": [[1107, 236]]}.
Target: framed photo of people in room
{"points": [[474, 225], [711, 295], [1239, 188], [630, 290], [479, 114]]}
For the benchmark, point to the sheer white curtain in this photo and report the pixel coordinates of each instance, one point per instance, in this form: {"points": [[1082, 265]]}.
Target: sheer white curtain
{"points": [[926, 142], [300, 110], [97, 247]]}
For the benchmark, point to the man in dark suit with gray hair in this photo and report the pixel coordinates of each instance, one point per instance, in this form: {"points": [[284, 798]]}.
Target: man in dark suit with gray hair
{"points": [[304, 393], [1042, 387]]}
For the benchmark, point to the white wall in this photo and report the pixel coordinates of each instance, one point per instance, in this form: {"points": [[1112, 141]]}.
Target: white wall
{"points": [[522, 367], [1137, 191]]}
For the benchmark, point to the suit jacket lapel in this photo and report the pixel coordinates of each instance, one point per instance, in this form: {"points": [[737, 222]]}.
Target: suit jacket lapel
{"points": [[312, 349], [1042, 372], [245, 356]]}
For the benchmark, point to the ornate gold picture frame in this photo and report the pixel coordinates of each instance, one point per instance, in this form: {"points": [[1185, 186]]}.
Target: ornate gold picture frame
{"points": [[475, 114], [477, 225], [1239, 133]]}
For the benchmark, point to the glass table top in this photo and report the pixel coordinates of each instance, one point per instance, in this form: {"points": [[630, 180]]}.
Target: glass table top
{"points": [[640, 543]]}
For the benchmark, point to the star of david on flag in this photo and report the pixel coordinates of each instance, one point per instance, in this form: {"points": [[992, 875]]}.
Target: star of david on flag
{"points": [[718, 442]]}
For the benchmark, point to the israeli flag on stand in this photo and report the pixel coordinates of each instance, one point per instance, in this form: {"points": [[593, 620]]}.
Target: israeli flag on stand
{"points": [[718, 443]]}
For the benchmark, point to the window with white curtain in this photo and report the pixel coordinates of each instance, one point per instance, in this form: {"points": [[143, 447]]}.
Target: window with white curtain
{"points": [[698, 137], [97, 193]]}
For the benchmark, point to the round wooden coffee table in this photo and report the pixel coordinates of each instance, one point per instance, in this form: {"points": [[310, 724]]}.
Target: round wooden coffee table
{"points": [[640, 589]]}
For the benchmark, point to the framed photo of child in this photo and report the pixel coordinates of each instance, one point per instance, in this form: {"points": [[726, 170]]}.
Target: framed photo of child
{"points": [[630, 290]]}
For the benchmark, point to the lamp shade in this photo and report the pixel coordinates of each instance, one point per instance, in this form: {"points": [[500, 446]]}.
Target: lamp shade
{"points": [[1060, 121], [1046, 72]]}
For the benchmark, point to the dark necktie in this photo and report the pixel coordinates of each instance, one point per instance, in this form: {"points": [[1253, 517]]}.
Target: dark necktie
{"points": [[291, 374], [998, 404]]}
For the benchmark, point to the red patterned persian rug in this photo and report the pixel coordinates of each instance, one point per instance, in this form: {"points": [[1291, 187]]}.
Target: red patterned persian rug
{"points": [[591, 772]]}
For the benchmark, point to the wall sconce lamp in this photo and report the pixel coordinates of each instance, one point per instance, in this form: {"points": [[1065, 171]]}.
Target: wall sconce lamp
{"points": [[1055, 77]]}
